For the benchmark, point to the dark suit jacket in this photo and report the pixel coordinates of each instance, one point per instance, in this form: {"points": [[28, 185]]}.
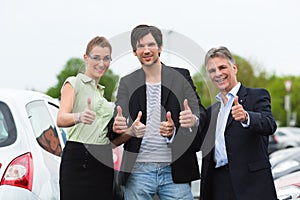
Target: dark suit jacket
{"points": [[176, 86], [247, 148]]}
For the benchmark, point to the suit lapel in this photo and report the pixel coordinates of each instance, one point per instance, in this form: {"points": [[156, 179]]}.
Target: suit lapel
{"points": [[167, 79], [166, 84], [138, 86], [214, 116], [209, 140], [242, 94]]}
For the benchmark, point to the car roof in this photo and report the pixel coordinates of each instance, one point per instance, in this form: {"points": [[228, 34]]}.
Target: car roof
{"points": [[23, 96], [288, 128], [286, 152]]}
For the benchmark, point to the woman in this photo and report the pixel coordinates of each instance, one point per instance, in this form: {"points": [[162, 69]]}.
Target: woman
{"points": [[86, 170]]}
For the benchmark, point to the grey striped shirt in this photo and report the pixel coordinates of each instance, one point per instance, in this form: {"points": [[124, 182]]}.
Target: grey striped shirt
{"points": [[154, 146]]}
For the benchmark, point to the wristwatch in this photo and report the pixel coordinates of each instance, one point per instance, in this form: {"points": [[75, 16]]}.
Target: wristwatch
{"points": [[78, 118]]}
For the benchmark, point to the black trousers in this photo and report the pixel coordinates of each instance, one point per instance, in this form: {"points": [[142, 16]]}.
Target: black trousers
{"points": [[86, 172], [222, 185]]}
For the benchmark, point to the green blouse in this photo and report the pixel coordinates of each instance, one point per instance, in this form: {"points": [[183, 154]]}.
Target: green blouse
{"points": [[95, 133]]}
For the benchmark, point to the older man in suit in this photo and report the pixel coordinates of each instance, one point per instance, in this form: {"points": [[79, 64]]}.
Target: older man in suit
{"points": [[235, 159]]}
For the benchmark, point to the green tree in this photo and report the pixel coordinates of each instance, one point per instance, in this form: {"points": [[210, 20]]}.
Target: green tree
{"points": [[76, 65], [110, 81], [295, 96], [276, 87], [204, 87], [245, 72]]}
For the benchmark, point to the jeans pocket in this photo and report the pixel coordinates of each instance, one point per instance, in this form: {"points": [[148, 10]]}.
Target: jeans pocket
{"points": [[138, 167]]}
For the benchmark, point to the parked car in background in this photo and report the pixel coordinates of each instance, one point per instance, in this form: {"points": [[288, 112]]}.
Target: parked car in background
{"points": [[195, 185], [283, 138], [285, 161], [30, 144], [117, 157], [288, 186]]}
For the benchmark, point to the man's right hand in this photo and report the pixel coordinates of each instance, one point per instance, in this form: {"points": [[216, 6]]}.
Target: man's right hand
{"points": [[120, 125], [138, 129]]}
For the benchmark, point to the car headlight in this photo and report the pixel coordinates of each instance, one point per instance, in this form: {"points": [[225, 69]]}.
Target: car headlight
{"points": [[281, 167], [289, 191]]}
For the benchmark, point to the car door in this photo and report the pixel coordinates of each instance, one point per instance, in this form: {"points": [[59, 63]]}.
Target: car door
{"points": [[50, 139]]}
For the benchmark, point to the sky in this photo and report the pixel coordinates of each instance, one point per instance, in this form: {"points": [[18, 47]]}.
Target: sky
{"points": [[38, 37]]}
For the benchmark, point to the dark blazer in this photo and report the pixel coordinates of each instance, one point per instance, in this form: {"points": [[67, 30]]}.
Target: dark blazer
{"points": [[176, 86], [247, 148]]}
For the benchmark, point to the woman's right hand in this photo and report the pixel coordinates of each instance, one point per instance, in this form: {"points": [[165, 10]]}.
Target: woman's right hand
{"points": [[87, 116]]}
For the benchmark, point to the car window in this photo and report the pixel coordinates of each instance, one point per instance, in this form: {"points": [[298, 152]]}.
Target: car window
{"points": [[279, 133], [54, 110], [8, 131], [44, 127]]}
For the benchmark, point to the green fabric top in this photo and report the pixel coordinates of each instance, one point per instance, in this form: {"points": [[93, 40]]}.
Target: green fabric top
{"points": [[95, 133]]}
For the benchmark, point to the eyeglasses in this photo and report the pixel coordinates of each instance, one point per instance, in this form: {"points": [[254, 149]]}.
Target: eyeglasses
{"points": [[150, 46], [97, 58]]}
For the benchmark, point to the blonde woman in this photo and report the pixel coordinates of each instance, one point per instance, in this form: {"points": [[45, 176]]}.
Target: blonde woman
{"points": [[86, 170]]}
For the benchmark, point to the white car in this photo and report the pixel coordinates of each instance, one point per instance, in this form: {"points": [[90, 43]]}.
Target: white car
{"points": [[288, 186], [30, 146], [195, 185]]}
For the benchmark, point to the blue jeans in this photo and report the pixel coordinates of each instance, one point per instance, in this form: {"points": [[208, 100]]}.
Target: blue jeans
{"points": [[146, 179]]}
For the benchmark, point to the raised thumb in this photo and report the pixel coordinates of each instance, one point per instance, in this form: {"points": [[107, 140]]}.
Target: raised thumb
{"points": [[236, 100], [89, 103], [186, 104], [138, 118], [119, 110], [169, 116]]}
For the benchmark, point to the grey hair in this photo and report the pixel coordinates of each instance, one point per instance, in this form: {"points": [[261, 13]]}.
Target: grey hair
{"points": [[219, 52]]}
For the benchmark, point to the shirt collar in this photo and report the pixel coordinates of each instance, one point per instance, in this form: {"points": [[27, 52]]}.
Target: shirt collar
{"points": [[87, 79], [233, 92]]}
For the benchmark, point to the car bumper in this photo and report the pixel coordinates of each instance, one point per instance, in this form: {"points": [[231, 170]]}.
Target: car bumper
{"points": [[16, 193]]}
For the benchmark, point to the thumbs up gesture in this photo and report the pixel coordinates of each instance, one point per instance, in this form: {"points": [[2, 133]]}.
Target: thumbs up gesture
{"points": [[120, 124], [87, 116], [138, 129], [237, 111], [167, 127], [186, 117]]}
